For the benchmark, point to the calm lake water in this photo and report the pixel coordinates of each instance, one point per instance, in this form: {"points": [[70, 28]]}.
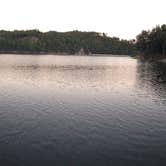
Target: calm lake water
{"points": [[82, 111]]}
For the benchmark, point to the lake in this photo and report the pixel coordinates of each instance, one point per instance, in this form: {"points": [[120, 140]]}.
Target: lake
{"points": [[82, 111]]}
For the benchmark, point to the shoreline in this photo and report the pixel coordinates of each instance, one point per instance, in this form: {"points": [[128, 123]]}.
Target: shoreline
{"points": [[152, 58], [59, 54], [163, 60]]}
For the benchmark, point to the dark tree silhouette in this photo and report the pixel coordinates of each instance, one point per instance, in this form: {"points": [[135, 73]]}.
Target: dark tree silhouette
{"points": [[34, 41], [153, 42]]}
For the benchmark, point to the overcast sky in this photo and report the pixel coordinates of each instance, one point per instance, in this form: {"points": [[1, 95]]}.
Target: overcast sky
{"points": [[122, 18]]}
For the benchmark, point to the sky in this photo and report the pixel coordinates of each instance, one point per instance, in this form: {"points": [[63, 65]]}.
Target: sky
{"points": [[120, 18]]}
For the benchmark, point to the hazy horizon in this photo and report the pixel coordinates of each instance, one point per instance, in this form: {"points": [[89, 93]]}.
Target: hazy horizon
{"points": [[108, 35], [123, 19]]}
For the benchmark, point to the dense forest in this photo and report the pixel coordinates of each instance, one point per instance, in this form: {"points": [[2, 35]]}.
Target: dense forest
{"points": [[148, 43], [153, 42], [34, 41]]}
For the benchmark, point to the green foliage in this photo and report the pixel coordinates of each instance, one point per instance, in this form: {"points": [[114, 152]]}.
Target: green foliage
{"points": [[153, 42], [34, 41]]}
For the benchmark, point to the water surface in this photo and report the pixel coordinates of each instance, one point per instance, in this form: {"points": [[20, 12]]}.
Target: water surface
{"points": [[76, 110]]}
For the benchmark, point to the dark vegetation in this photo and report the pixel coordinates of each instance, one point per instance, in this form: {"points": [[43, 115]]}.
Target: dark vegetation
{"points": [[34, 41], [152, 43]]}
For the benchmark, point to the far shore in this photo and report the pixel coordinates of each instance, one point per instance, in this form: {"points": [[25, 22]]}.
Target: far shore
{"points": [[58, 54], [163, 60], [156, 57]]}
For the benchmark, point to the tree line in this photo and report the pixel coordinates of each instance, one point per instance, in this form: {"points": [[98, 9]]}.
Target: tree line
{"points": [[147, 43], [152, 42], [34, 41]]}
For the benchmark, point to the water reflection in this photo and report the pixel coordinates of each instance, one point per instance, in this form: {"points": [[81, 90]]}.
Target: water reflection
{"points": [[57, 110], [87, 73], [151, 78]]}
